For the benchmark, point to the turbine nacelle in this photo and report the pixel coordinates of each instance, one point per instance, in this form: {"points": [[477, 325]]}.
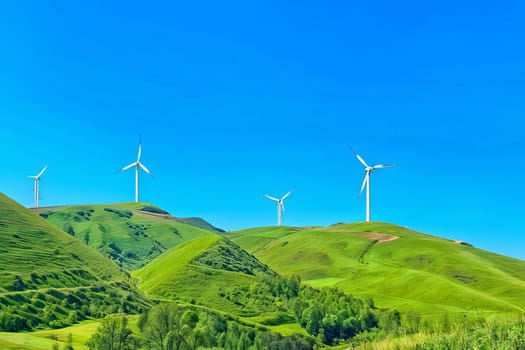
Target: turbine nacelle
{"points": [[372, 168]]}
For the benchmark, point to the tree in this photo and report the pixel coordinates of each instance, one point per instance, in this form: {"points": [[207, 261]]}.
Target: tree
{"points": [[113, 334], [168, 328]]}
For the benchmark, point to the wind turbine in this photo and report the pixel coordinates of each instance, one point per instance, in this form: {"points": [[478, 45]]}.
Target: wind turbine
{"points": [[366, 182], [137, 165], [280, 205], [37, 181]]}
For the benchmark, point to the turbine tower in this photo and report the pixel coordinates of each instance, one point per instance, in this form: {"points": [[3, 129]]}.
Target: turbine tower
{"points": [[366, 182], [37, 181], [280, 205], [137, 165]]}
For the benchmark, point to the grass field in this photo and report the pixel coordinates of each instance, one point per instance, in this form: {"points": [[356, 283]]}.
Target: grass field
{"points": [[397, 267], [44, 339]]}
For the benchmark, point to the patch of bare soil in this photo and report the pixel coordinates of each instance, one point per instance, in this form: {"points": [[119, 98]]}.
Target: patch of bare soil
{"points": [[380, 237], [458, 241]]}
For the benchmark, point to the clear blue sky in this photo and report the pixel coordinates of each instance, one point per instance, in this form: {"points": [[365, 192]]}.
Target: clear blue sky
{"points": [[237, 99]]}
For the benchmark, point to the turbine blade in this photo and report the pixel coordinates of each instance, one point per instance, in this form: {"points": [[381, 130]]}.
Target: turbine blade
{"points": [[364, 184], [140, 152], [145, 169], [380, 166], [42, 171], [360, 159], [128, 166], [281, 203], [286, 196], [272, 198]]}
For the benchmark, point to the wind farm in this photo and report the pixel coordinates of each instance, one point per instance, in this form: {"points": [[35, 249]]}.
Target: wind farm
{"points": [[328, 175]]}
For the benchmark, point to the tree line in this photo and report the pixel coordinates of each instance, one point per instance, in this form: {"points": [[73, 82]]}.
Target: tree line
{"points": [[328, 315], [171, 327]]}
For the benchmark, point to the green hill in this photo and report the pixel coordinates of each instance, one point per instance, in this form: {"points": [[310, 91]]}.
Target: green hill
{"points": [[208, 271], [49, 278], [397, 267], [215, 274], [131, 234]]}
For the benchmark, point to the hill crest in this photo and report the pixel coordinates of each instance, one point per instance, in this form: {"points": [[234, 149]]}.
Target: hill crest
{"points": [[131, 234]]}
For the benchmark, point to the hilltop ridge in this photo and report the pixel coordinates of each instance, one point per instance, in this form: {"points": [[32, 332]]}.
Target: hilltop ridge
{"points": [[131, 234]]}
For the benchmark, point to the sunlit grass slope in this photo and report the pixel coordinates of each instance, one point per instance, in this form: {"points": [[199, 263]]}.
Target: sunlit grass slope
{"points": [[28, 341], [45, 339], [34, 253], [131, 234], [208, 271], [50, 279], [397, 267]]}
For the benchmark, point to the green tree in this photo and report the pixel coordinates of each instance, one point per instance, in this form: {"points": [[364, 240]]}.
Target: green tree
{"points": [[167, 328], [113, 334]]}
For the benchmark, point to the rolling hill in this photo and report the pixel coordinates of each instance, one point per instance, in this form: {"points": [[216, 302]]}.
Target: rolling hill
{"points": [[72, 263], [49, 278], [209, 271], [214, 274], [397, 267], [131, 234]]}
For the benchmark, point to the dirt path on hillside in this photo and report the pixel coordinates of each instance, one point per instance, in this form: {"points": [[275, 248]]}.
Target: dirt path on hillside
{"points": [[380, 237]]}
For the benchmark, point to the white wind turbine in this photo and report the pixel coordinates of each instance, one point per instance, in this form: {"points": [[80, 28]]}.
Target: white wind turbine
{"points": [[137, 164], [366, 181], [37, 181], [280, 205]]}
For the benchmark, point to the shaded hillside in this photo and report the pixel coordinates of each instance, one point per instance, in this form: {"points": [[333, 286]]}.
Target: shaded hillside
{"points": [[201, 223], [49, 278], [131, 234], [399, 268]]}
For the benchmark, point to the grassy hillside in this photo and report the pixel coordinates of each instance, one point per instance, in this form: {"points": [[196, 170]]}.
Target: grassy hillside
{"points": [[399, 268], [205, 271], [214, 273], [131, 234], [48, 278]]}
